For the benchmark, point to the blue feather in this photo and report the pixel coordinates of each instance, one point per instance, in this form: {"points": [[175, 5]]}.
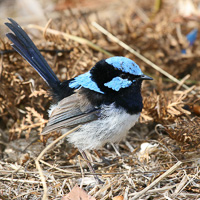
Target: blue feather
{"points": [[117, 83], [192, 36], [84, 80], [125, 65], [26, 48]]}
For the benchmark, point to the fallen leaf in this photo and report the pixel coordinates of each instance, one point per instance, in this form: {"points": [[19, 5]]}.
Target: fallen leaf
{"points": [[118, 198], [78, 193], [196, 109]]}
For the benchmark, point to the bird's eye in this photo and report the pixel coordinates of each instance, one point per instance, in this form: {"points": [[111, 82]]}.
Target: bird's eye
{"points": [[124, 76]]}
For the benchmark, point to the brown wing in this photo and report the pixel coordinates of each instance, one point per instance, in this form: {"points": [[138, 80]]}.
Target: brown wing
{"points": [[70, 112]]}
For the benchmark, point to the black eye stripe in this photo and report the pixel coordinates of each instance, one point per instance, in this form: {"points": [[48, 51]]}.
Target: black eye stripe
{"points": [[124, 76], [128, 76], [135, 76]]}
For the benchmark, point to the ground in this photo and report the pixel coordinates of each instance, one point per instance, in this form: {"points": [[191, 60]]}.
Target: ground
{"points": [[159, 159]]}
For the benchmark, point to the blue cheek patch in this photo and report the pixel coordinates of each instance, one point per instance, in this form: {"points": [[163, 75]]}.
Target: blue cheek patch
{"points": [[85, 81], [125, 65], [117, 83]]}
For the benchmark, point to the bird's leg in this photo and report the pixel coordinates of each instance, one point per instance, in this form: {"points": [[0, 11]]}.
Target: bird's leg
{"points": [[104, 160], [99, 181]]}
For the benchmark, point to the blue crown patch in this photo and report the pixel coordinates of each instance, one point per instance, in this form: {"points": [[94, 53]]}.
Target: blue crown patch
{"points": [[125, 65]]}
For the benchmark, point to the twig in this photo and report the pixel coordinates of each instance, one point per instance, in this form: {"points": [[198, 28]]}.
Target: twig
{"points": [[82, 172], [23, 194], [115, 148], [42, 179], [126, 193], [98, 173], [180, 186], [157, 6], [21, 180], [129, 146], [45, 28], [166, 149], [183, 185], [144, 59], [41, 155], [156, 190], [62, 170], [140, 12], [168, 172], [182, 81], [71, 37]]}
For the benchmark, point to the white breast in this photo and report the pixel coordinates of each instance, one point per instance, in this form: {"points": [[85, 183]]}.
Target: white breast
{"points": [[112, 126]]}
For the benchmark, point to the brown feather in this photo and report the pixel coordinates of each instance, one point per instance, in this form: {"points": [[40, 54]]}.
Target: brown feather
{"points": [[71, 111]]}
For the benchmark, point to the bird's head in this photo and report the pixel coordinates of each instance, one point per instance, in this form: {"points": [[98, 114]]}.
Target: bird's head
{"points": [[111, 76]]}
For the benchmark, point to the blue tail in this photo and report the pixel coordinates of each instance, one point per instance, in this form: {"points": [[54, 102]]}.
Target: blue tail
{"points": [[26, 48]]}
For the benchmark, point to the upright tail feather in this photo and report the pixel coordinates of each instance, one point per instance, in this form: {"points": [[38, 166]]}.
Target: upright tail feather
{"points": [[27, 49]]}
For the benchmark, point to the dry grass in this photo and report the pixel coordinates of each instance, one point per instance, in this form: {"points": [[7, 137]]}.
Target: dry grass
{"points": [[169, 123]]}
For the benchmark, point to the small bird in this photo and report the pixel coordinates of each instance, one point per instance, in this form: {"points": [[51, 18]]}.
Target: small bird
{"points": [[106, 100]]}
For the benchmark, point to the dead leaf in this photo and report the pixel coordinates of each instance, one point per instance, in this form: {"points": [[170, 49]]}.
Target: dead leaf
{"points": [[196, 109], [118, 198], [78, 193]]}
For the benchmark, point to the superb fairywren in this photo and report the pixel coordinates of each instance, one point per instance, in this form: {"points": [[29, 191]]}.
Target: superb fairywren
{"points": [[106, 100]]}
